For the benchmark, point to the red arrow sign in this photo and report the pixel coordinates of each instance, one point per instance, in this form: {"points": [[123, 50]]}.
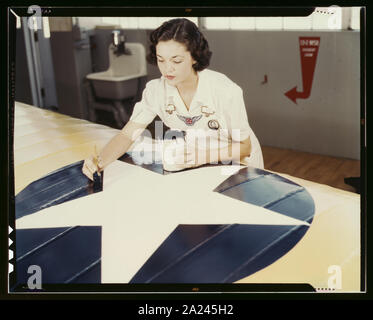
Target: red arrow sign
{"points": [[309, 48]]}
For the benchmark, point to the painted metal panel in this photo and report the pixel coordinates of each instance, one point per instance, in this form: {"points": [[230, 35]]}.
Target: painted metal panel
{"points": [[62, 185], [64, 255]]}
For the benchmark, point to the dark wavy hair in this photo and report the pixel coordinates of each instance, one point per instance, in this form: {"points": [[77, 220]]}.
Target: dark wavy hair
{"points": [[186, 32]]}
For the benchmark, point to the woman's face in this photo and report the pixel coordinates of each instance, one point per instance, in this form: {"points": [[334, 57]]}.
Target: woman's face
{"points": [[174, 61]]}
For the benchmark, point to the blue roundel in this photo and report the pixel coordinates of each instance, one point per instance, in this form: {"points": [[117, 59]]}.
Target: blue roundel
{"points": [[191, 253], [227, 253]]}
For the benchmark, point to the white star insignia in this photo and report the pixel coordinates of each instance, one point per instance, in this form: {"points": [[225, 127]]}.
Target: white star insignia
{"points": [[139, 209]]}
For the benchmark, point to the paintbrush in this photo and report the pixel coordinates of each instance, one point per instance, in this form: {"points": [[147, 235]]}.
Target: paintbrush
{"points": [[98, 177]]}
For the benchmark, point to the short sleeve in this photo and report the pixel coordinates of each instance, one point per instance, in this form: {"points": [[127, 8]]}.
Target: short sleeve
{"points": [[238, 124], [145, 110]]}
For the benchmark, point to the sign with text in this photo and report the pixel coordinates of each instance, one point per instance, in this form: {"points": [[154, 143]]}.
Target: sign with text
{"points": [[309, 48]]}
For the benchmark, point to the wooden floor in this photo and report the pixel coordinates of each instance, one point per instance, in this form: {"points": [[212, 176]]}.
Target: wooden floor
{"points": [[317, 168]]}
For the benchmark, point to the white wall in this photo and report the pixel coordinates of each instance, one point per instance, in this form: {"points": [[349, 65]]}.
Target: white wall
{"points": [[328, 122]]}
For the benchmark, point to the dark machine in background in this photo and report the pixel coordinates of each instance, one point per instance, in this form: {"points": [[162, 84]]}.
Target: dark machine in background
{"points": [[51, 71], [72, 61]]}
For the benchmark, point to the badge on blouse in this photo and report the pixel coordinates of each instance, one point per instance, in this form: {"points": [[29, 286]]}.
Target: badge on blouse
{"points": [[213, 124], [189, 121], [207, 111], [170, 108]]}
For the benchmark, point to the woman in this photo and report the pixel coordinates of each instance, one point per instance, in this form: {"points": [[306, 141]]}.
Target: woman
{"points": [[187, 97]]}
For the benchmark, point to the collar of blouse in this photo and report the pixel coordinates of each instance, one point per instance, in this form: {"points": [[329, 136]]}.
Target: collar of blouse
{"points": [[201, 102]]}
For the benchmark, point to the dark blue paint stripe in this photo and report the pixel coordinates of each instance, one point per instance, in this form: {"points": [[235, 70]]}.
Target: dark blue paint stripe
{"points": [[37, 247], [285, 196], [81, 273], [224, 258], [24, 245], [59, 186], [242, 176], [57, 178], [270, 191], [270, 255], [65, 255], [299, 205], [261, 252], [183, 239], [189, 252], [93, 275], [260, 191], [224, 189]]}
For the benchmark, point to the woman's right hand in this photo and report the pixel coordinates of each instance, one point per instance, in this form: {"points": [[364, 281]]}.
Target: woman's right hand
{"points": [[90, 166]]}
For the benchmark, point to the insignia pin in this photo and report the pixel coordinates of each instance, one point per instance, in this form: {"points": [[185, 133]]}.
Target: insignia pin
{"points": [[170, 108], [189, 121], [213, 124], [205, 111]]}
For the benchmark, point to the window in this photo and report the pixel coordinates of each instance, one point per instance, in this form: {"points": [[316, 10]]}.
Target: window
{"points": [[297, 23], [268, 23], [355, 18], [323, 18], [245, 23], [136, 22]]}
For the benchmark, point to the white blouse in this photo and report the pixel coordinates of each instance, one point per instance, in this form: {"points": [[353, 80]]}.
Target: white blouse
{"points": [[217, 107]]}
